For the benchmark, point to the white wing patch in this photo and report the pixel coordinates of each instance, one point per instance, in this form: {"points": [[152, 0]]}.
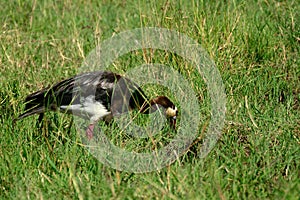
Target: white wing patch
{"points": [[89, 107], [106, 85]]}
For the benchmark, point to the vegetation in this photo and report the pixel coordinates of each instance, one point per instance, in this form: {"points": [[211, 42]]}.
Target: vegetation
{"points": [[255, 45]]}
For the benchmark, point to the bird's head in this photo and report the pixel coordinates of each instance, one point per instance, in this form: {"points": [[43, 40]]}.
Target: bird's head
{"points": [[171, 109], [171, 114]]}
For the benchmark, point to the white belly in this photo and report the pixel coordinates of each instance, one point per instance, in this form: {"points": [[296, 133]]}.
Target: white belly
{"points": [[89, 108]]}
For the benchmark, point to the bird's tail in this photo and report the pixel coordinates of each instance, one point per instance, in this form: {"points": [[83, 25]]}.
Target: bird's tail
{"points": [[34, 104]]}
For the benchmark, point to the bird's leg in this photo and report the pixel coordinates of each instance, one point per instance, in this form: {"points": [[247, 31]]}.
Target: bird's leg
{"points": [[90, 131]]}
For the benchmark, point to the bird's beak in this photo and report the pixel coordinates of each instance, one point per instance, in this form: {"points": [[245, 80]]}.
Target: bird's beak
{"points": [[173, 122]]}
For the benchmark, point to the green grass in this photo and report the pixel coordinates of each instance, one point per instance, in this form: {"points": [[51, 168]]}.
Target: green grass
{"points": [[255, 45]]}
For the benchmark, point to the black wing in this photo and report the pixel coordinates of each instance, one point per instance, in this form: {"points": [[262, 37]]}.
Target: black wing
{"points": [[99, 85], [71, 91]]}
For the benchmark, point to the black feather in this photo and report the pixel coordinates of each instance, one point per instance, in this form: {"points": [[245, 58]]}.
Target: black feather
{"points": [[106, 87]]}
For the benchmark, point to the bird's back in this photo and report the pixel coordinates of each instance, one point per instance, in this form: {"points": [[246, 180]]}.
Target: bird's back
{"points": [[115, 93]]}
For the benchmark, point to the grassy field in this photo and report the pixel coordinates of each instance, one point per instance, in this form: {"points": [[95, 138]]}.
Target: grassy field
{"points": [[255, 45]]}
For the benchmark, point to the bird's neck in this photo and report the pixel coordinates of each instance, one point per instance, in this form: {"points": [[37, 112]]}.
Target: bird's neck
{"points": [[152, 105]]}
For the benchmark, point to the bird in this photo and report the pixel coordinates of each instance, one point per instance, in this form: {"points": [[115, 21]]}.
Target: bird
{"points": [[96, 95]]}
